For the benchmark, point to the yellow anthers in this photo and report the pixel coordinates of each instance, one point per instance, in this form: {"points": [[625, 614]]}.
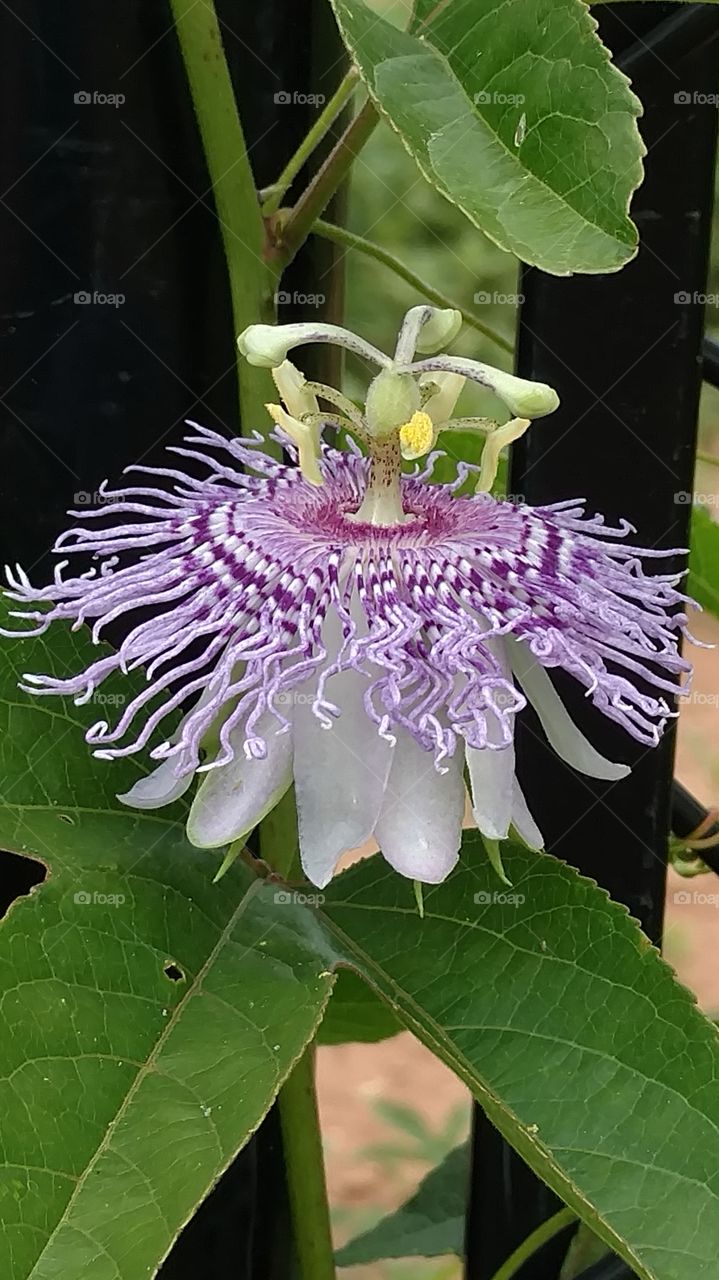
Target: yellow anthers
{"points": [[494, 444], [417, 436], [307, 438]]}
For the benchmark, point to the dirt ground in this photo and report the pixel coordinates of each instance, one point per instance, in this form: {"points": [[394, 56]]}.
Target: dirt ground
{"points": [[354, 1078]]}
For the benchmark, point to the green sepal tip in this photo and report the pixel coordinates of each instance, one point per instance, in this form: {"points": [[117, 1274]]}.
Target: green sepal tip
{"points": [[494, 854], [232, 854]]}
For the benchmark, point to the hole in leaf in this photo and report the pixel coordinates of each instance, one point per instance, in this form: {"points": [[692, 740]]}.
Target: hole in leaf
{"points": [[173, 972], [20, 875], [65, 817]]}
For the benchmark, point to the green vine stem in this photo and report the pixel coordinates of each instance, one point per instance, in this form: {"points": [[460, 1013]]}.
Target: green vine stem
{"points": [[295, 229], [304, 1161], [540, 1236], [252, 280], [311, 140], [252, 284], [349, 240]]}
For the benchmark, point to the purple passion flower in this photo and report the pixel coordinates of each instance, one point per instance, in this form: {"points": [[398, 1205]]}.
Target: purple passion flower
{"points": [[358, 630]]}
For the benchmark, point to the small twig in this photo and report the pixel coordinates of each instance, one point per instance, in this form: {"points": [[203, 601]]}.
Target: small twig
{"points": [[295, 229], [349, 240], [277, 191], [544, 1232]]}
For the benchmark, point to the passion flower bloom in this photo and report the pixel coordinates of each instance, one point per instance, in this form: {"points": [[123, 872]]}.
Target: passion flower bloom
{"points": [[362, 631]]}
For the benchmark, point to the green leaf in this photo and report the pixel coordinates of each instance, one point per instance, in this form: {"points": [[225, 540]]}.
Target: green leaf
{"points": [[517, 115], [428, 1225], [585, 1248], [703, 584], [149, 1016], [145, 1038], [356, 1013], [552, 1006]]}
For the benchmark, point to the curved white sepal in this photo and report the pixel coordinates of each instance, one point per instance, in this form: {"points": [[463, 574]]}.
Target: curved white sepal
{"points": [[161, 786], [158, 788], [491, 769], [340, 773], [491, 774], [523, 822], [234, 798], [562, 733], [420, 825]]}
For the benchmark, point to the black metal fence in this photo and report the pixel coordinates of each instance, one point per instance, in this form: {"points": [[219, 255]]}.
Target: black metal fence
{"points": [[626, 351]]}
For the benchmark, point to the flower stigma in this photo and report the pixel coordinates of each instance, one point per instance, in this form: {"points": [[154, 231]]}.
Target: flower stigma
{"points": [[405, 408]]}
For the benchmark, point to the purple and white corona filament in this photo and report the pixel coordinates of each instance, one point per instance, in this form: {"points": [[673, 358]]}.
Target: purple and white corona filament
{"points": [[363, 632]]}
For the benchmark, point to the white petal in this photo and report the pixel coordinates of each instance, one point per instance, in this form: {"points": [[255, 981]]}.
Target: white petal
{"points": [[158, 788], [567, 740], [522, 820], [161, 786], [491, 769], [340, 776], [420, 826], [491, 774], [235, 797]]}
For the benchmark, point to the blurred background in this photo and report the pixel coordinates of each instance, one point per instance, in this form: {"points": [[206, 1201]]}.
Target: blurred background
{"points": [[391, 1111]]}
